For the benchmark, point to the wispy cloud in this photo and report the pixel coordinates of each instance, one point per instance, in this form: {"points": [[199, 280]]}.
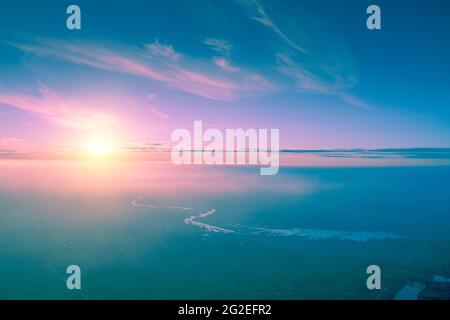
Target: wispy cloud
{"points": [[314, 78], [198, 77], [150, 98], [354, 101], [304, 79], [156, 62], [308, 74], [317, 80], [225, 65], [162, 63], [89, 55], [162, 51], [219, 45], [259, 14], [58, 110]]}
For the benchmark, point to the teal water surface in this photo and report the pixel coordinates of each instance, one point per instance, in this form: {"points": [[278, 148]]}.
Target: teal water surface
{"points": [[151, 231]]}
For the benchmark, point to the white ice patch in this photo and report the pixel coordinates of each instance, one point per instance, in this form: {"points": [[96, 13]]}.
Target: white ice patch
{"points": [[317, 234], [311, 234]]}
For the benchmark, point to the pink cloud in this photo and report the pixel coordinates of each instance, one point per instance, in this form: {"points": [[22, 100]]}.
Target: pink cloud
{"points": [[164, 51], [159, 113], [156, 62], [151, 97], [225, 65], [92, 56], [61, 111]]}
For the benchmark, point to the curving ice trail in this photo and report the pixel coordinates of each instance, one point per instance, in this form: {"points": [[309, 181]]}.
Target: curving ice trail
{"points": [[210, 228], [190, 220], [311, 234]]}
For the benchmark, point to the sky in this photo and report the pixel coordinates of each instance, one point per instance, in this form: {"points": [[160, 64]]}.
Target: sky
{"points": [[138, 70]]}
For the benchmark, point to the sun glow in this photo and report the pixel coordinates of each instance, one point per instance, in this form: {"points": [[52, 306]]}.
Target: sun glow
{"points": [[100, 147]]}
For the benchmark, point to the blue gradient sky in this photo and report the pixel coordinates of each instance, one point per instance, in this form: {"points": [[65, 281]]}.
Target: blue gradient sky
{"points": [[140, 69]]}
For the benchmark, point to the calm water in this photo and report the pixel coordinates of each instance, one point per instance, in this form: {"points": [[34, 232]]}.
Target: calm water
{"points": [[152, 230]]}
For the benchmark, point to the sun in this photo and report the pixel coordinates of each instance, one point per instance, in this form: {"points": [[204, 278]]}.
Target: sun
{"points": [[100, 147]]}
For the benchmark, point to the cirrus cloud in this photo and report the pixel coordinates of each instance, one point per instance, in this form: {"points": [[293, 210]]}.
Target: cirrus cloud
{"points": [[155, 62], [59, 110]]}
